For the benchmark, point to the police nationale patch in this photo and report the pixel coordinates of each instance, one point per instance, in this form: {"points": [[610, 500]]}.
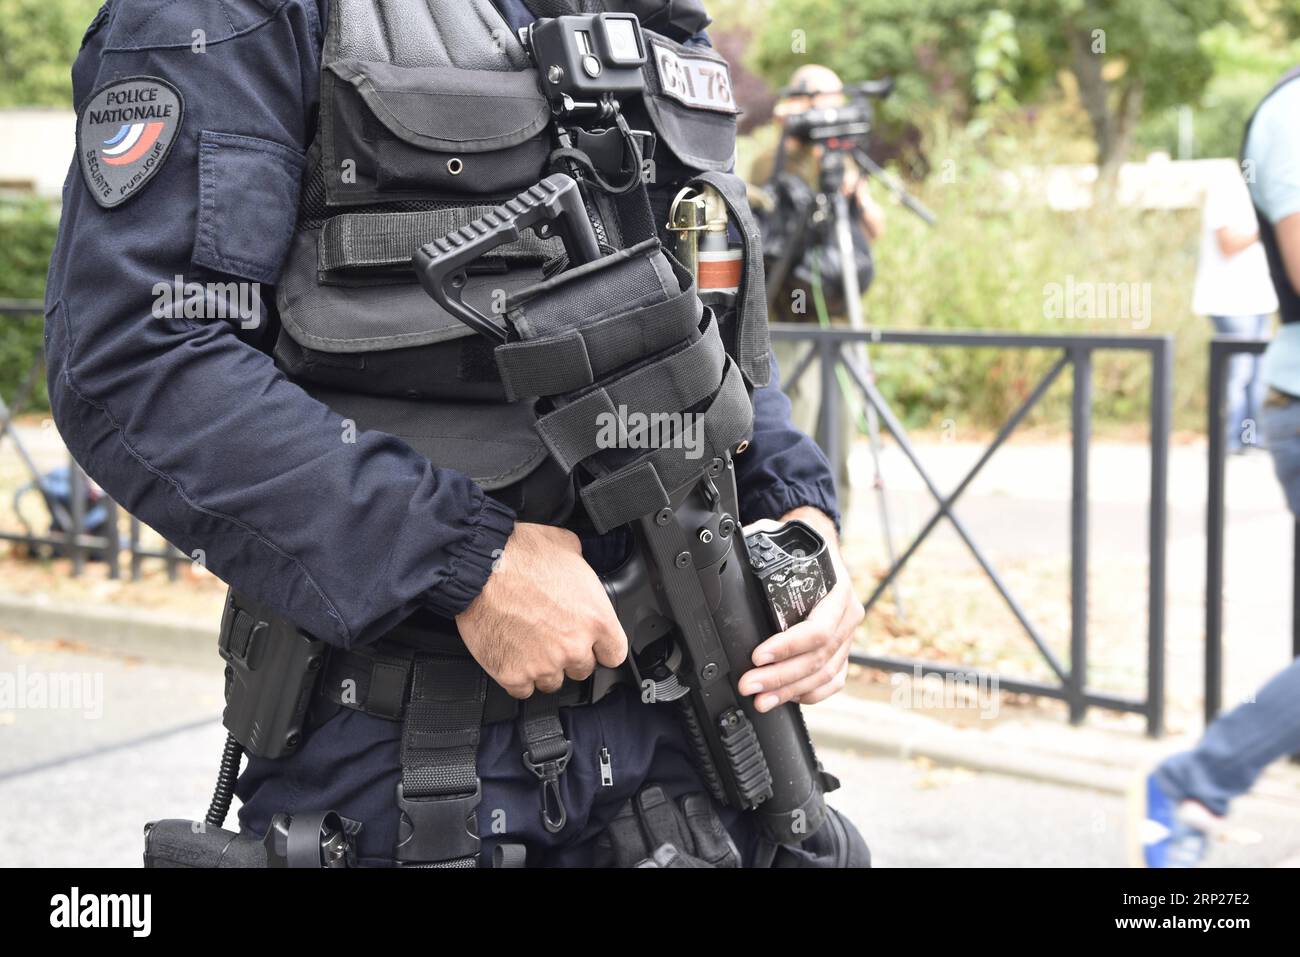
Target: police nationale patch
{"points": [[124, 132]]}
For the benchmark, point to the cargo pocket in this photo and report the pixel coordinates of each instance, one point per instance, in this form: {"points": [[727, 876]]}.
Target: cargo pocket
{"points": [[248, 204], [426, 133]]}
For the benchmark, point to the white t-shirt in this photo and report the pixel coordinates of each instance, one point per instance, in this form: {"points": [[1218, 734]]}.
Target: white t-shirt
{"points": [[1240, 285]]}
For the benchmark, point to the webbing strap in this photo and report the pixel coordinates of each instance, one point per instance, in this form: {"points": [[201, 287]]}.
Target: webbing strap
{"points": [[546, 754], [668, 386], [576, 358], [439, 789], [353, 240], [642, 486], [374, 683]]}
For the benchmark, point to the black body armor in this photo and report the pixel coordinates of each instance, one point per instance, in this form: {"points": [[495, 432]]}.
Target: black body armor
{"points": [[432, 121], [430, 115]]}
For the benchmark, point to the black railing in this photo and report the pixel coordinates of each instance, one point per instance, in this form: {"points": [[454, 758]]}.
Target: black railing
{"points": [[68, 534], [830, 346], [1222, 349]]}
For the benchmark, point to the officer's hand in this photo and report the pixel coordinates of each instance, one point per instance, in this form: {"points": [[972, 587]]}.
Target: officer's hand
{"points": [[543, 614], [809, 662]]}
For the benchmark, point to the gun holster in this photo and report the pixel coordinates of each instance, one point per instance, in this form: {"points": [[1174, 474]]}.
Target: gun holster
{"points": [[272, 669]]}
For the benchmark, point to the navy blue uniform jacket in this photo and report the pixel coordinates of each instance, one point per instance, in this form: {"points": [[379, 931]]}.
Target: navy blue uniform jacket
{"points": [[188, 423]]}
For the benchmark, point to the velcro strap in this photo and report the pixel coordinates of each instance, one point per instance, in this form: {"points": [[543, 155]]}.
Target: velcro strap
{"points": [[643, 486], [440, 729], [545, 367], [373, 683], [665, 387], [357, 240], [573, 360]]}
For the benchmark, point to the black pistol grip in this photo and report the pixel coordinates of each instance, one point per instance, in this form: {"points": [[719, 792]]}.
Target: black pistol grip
{"points": [[440, 265]]}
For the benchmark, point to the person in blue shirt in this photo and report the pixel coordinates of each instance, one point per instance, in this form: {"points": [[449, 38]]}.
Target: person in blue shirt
{"points": [[1186, 797], [196, 116]]}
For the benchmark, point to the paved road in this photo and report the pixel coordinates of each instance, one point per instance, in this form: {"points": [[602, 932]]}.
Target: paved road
{"points": [[77, 782]]}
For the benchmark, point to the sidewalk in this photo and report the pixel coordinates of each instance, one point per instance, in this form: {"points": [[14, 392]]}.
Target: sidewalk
{"points": [[881, 716], [77, 785], [925, 777]]}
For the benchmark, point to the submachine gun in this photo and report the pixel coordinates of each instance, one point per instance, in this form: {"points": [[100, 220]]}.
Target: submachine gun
{"points": [[696, 596]]}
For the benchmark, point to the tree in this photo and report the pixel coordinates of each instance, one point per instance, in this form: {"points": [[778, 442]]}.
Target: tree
{"points": [[39, 40], [1126, 57]]}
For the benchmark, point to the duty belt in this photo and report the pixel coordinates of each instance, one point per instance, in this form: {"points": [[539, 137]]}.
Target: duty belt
{"points": [[442, 698]]}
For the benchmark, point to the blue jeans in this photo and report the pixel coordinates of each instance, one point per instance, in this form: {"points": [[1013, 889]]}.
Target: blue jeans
{"points": [[1244, 390], [1240, 744]]}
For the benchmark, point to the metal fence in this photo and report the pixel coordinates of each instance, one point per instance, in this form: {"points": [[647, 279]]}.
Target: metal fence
{"points": [[835, 348], [68, 535], [1222, 349]]}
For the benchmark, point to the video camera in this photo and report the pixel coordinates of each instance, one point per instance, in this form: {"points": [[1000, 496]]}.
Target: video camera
{"points": [[585, 63], [586, 60], [851, 122]]}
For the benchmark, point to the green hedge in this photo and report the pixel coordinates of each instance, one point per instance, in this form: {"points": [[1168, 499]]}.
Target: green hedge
{"points": [[1000, 269], [988, 265], [992, 264], [27, 231]]}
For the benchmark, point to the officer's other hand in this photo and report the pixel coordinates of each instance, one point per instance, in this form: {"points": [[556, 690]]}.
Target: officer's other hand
{"points": [[809, 662], [543, 614]]}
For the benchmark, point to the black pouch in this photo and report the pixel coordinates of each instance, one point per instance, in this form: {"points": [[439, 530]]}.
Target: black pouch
{"points": [[581, 326], [354, 318], [688, 103], [394, 132]]}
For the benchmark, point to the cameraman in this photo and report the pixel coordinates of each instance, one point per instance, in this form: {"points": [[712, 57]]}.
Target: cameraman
{"points": [[817, 87]]}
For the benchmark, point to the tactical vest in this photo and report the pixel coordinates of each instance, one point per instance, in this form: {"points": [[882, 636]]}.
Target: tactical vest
{"points": [[431, 114], [1287, 295], [431, 119]]}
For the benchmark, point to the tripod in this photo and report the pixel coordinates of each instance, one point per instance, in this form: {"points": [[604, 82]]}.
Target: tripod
{"points": [[831, 202]]}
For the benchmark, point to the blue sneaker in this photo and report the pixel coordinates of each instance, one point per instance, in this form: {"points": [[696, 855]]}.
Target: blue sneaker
{"points": [[1172, 834]]}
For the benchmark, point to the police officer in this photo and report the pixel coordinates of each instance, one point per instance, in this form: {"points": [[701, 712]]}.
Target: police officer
{"points": [[209, 147]]}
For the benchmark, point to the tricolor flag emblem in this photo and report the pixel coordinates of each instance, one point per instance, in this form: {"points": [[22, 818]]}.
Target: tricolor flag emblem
{"points": [[125, 130], [131, 142]]}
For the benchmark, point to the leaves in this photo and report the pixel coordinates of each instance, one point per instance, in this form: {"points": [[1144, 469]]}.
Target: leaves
{"points": [[27, 231], [967, 52], [38, 41]]}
